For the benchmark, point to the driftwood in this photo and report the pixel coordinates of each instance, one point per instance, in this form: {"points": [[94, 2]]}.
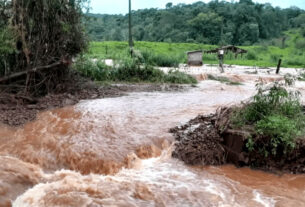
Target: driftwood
{"points": [[18, 74]]}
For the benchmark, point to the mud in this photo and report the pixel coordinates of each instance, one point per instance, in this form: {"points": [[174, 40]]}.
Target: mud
{"points": [[199, 143], [18, 110], [210, 140]]}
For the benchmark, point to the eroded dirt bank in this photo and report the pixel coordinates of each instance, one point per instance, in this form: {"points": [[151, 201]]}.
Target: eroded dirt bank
{"points": [[210, 140]]}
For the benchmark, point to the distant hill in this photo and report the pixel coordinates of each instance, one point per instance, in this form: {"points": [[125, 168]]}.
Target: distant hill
{"points": [[217, 22]]}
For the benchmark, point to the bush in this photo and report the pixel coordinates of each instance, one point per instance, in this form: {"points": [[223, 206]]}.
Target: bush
{"points": [[97, 71], [300, 44], [179, 78], [251, 55], [281, 131], [129, 70], [159, 59], [275, 114]]}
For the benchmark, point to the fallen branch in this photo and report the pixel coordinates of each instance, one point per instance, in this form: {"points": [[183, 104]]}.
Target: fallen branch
{"points": [[15, 75]]}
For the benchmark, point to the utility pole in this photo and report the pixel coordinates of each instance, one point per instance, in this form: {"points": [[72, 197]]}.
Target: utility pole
{"points": [[130, 30], [221, 34]]}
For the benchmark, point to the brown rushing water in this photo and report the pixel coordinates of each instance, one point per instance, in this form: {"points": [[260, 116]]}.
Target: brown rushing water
{"points": [[116, 152]]}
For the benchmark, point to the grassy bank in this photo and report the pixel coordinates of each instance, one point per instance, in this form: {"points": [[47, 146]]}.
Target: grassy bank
{"points": [[171, 54], [277, 118]]}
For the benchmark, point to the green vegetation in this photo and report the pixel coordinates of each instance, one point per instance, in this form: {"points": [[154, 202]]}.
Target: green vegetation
{"points": [[129, 70], [223, 80], [277, 118], [171, 54], [37, 42], [241, 22], [161, 60]]}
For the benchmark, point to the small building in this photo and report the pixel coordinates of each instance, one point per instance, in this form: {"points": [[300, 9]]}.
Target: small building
{"points": [[194, 58]]}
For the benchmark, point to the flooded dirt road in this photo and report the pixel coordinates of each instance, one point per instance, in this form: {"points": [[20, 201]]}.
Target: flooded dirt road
{"points": [[117, 152]]}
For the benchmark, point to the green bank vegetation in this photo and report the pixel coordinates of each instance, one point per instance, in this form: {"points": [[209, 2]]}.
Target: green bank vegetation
{"points": [[129, 70], [277, 118]]}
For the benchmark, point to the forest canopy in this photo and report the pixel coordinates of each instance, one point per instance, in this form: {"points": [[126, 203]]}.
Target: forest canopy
{"points": [[217, 22]]}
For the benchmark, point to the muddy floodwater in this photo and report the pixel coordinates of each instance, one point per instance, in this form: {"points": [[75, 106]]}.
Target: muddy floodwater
{"points": [[117, 152]]}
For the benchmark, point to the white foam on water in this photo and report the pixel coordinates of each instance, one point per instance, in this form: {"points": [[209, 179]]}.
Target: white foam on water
{"points": [[158, 181], [264, 200]]}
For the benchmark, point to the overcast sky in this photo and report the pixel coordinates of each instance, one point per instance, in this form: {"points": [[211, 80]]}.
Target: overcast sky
{"points": [[121, 6]]}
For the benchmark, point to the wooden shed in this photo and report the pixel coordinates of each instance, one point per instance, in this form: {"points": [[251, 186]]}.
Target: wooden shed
{"points": [[194, 58]]}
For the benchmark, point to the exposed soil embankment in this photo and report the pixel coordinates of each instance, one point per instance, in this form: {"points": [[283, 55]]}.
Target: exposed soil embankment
{"points": [[199, 142], [210, 140], [16, 110]]}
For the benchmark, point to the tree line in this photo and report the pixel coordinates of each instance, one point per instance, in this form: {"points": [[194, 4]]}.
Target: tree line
{"points": [[216, 22]]}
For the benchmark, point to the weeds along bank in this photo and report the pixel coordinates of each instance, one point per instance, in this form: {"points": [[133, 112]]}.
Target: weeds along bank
{"points": [[265, 54], [129, 70]]}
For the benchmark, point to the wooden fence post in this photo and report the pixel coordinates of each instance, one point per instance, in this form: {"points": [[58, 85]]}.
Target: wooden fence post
{"points": [[278, 66]]}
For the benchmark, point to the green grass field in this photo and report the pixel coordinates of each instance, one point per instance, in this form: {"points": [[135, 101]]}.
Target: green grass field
{"points": [[293, 54]]}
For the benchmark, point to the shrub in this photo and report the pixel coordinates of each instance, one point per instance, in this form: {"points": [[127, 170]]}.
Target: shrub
{"points": [[300, 44], [159, 59], [276, 100], [275, 114], [97, 71], [129, 70], [281, 131], [251, 55], [179, 78]]}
